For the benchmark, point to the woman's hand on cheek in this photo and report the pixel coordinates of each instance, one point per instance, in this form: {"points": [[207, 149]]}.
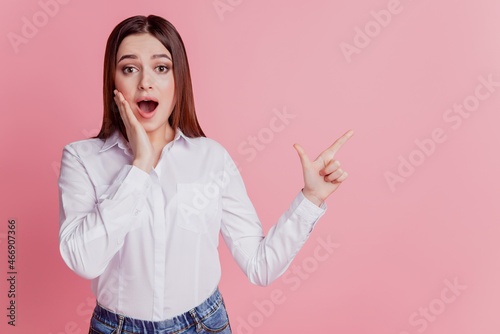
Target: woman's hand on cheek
{"points": [[322, 176], [137, 136]]}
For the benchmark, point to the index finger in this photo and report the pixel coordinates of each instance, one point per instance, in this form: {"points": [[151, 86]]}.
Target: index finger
{"points": [[120, 106], [123, 107], [341, 141]]}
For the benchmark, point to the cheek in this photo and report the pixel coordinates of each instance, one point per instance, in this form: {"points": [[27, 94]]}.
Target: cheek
{"points": [[168, 89], [123, 83], [119, 82], [125, 87]]}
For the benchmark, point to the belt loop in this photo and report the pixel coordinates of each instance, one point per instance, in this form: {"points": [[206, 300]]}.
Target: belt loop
{"points": [[120, 324], [196, 320]]}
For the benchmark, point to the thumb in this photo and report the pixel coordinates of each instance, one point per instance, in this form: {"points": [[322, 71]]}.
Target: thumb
{"points": [[304, 160]]}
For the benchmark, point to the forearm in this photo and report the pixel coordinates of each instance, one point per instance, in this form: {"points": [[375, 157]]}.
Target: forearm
{"points": [[264, 259], [95, 218]]}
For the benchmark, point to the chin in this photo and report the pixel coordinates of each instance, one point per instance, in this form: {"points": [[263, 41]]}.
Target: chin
{"points": [[152, 127]]}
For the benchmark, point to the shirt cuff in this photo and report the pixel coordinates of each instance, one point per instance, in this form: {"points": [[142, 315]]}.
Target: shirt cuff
{"points": [[127, 192], [311, 207], [137, 177], [307, 210]]}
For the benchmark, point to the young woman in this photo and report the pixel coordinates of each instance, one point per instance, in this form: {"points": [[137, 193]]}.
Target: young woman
{"points": [[142, 203]]}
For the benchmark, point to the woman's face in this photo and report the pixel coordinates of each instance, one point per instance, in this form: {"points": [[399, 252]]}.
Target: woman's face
{"points": [[144, 76]]}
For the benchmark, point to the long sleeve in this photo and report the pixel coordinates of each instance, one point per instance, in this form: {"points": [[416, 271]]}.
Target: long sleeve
{"points": [[94, 220], [263, 258]]}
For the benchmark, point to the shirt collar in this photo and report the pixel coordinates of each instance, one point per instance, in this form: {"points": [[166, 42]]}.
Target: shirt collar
{"points": [[117, 138]]}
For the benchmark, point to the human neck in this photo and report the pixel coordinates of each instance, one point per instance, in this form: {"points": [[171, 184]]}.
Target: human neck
{"points": [[161, 137]]}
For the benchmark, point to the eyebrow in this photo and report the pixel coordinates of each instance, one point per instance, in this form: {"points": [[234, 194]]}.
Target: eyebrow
{"points": [[132, 56]]}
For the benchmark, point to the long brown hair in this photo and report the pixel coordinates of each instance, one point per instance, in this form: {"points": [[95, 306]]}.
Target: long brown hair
{"points": [[183, 114]]}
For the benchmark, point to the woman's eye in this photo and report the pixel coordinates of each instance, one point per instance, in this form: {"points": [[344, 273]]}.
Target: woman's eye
{"points": [[162, 69], [128, 69]]}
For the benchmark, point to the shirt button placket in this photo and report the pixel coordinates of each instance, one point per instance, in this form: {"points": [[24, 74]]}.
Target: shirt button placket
{"points": [[159, 247]]}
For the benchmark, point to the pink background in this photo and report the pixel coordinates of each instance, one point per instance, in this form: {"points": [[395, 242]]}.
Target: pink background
{"points": [[396, 245]]}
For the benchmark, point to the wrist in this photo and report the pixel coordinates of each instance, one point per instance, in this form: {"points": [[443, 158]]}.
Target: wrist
{"points": [[314, 199], [142, 165]]}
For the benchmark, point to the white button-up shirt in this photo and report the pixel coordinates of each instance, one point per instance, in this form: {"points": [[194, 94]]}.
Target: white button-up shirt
{"points": [[148, 242]]}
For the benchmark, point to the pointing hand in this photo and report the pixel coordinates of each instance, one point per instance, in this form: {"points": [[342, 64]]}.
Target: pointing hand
{"points": [[323, 175]]}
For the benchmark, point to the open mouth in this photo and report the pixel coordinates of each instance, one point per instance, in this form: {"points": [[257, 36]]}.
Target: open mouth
{"points": [[147, 106]]}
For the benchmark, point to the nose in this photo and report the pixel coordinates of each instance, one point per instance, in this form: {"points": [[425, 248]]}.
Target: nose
{"points": [[145, 81]]}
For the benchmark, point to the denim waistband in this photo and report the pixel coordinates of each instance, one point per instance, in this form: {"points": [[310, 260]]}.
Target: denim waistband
{"points": [[177, 323]]}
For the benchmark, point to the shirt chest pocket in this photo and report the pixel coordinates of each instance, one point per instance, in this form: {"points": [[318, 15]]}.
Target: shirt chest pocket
{"points": [[197, 206]]}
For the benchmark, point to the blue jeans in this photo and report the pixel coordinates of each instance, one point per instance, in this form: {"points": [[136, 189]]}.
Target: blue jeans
{"points": [[208, 317]]}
